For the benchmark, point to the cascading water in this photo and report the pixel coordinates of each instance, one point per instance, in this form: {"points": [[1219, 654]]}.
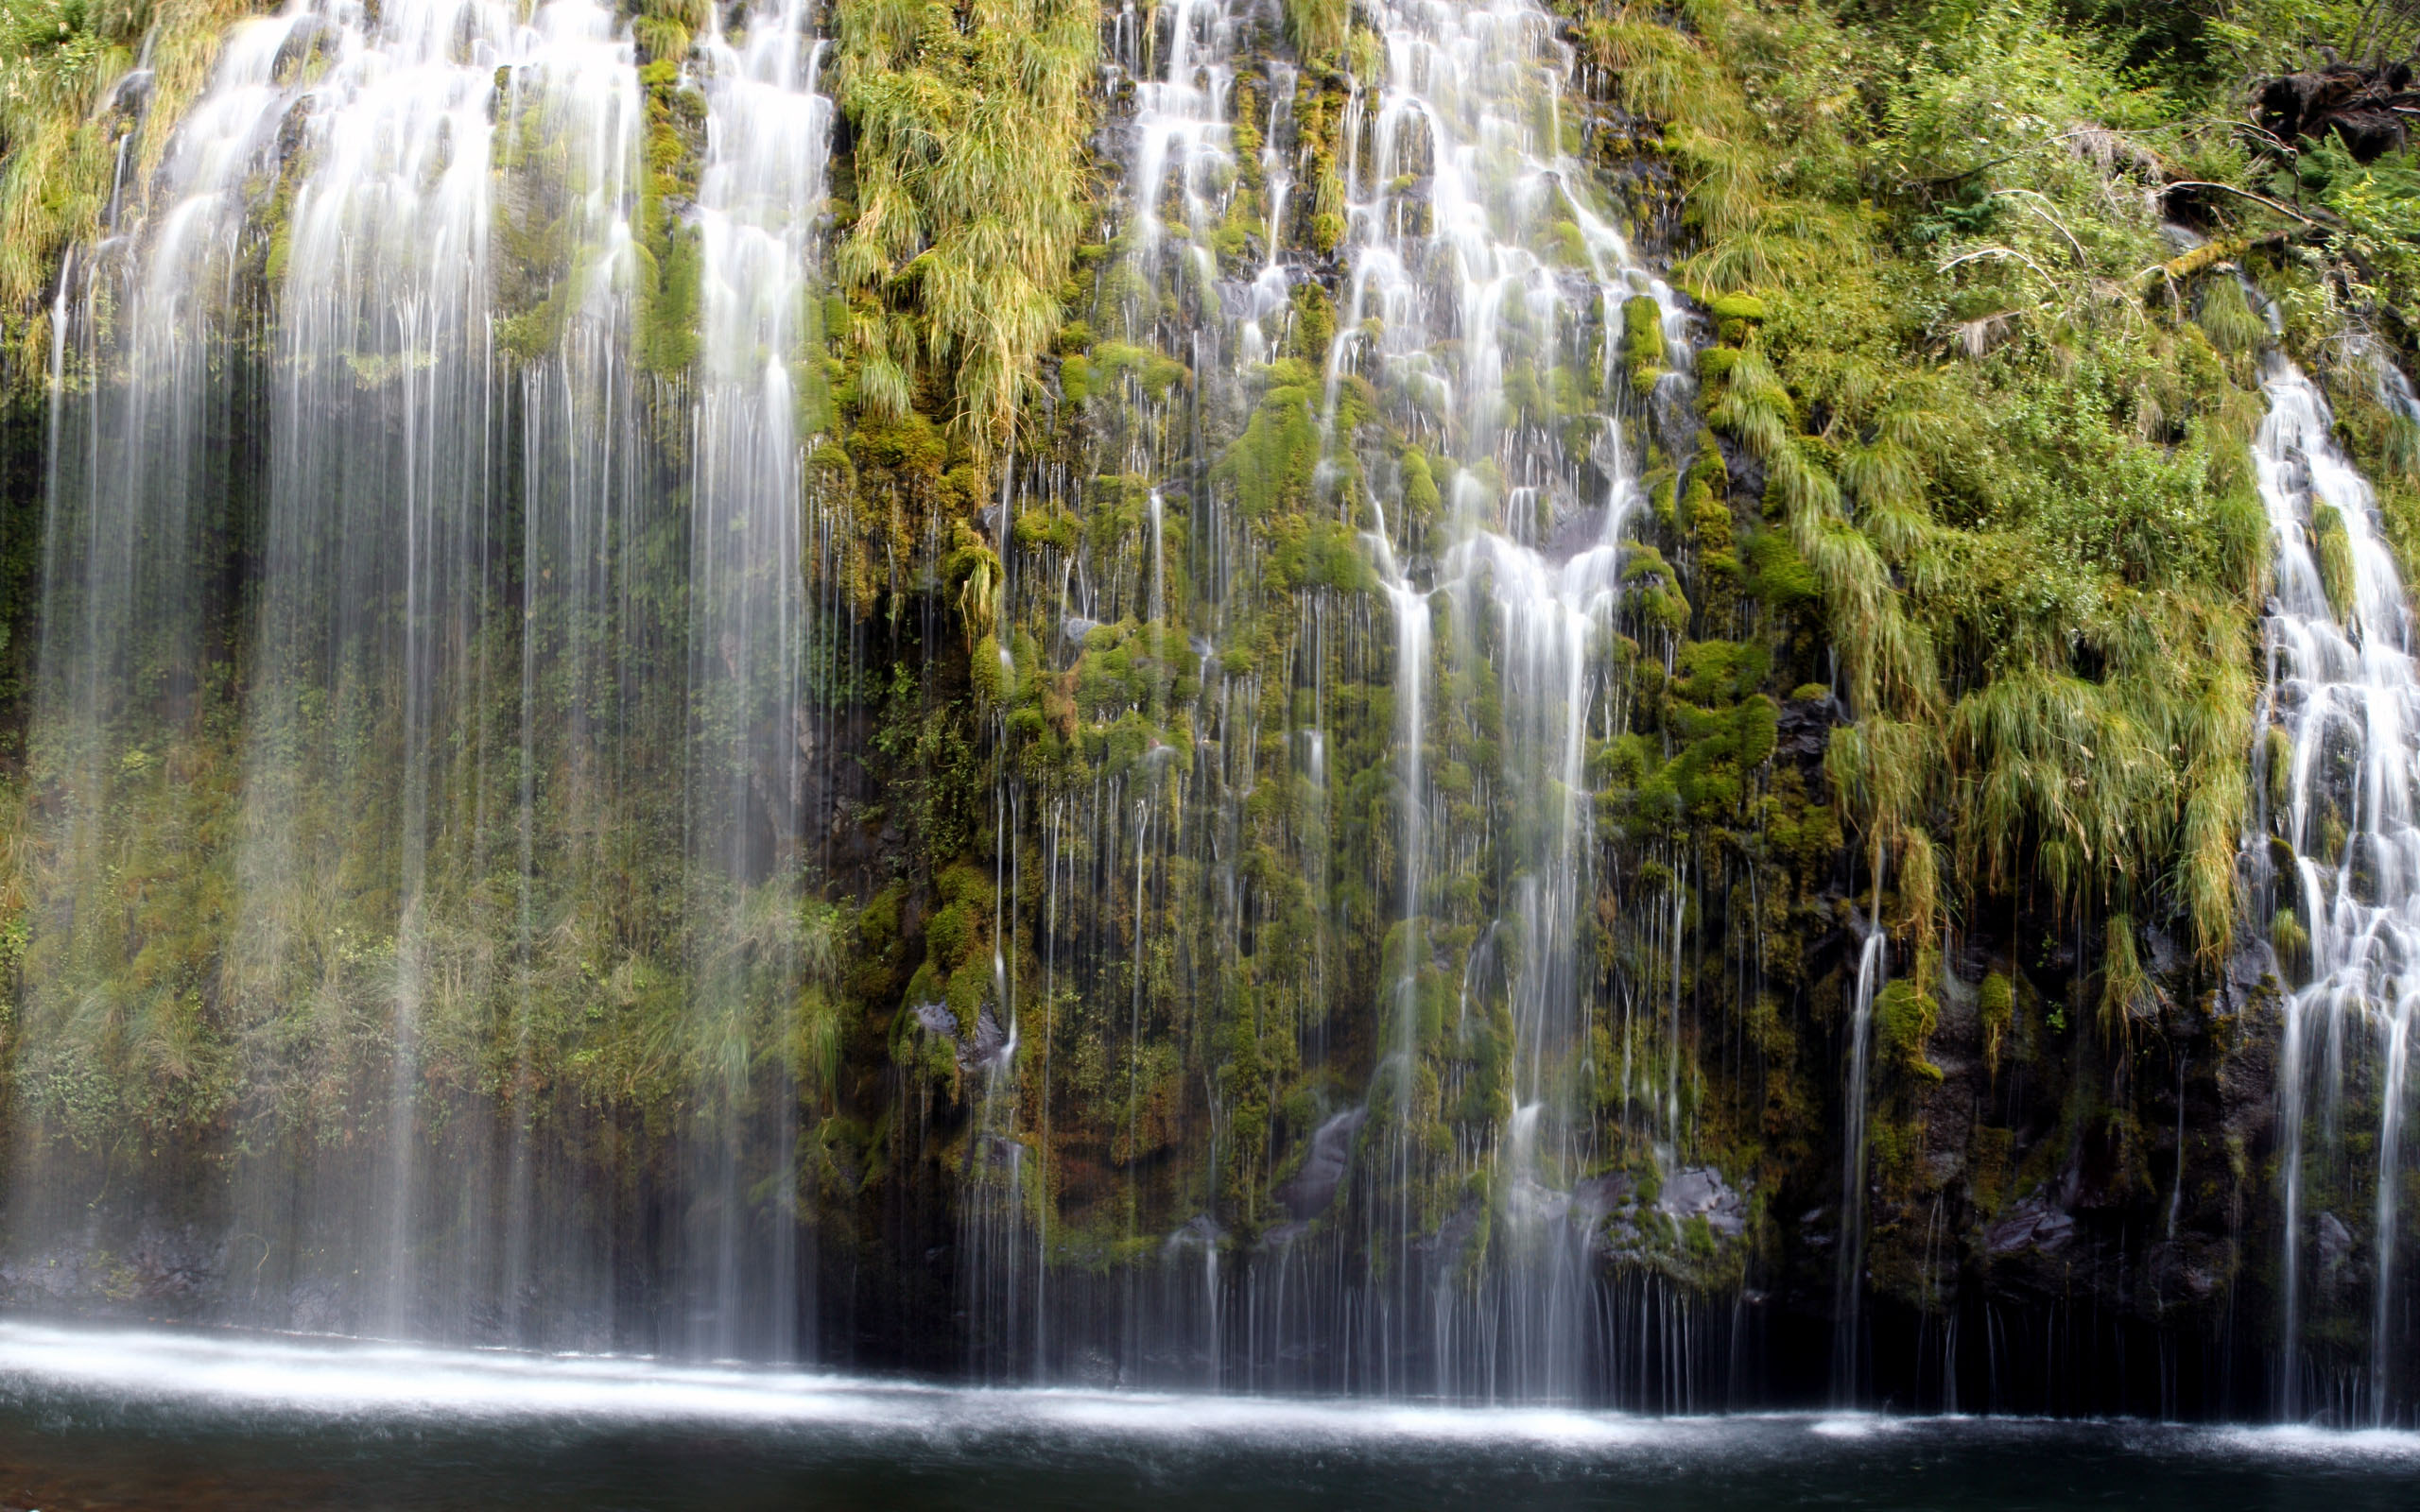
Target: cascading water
{"points": [[1465, 174], [767, 130], [377, 335], [1848, 1284], [383, 570], [1358, 982], [1476, 274], [2343, 698]]}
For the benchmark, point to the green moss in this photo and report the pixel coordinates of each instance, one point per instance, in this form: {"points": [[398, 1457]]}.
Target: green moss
{"points": [[1643, 343], [1421, 503], [2334, 550], [1904, 1019], [1271, 466], [670, 261], [1779, 575], [1997, 1010]]}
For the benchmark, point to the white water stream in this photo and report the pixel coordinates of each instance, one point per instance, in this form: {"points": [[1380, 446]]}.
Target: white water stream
{"points": [[2343, 690]]}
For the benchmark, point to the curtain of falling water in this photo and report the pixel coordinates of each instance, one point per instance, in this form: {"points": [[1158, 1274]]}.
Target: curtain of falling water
{"points": [[148, 466], [2344, 693], [1525, 565], [1474, 270], [390, 250], [589, 694], [137, 515], [388, 571], [768, 132]]}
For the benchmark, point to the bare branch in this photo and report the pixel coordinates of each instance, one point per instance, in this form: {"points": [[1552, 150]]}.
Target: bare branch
{"points": [[1997, 252], [2228, 188]]}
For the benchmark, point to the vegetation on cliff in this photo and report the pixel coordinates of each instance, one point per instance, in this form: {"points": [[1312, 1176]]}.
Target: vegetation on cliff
{"points": [[1947, 623]]}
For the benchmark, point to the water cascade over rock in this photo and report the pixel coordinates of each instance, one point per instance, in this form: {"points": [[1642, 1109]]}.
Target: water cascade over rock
{"points": [[373, 351], [2339, 760], [1478, 274], [1212, 696]]}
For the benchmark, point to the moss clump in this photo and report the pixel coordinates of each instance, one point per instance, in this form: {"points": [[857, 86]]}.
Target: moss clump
{"points": [[670, 260], [1643, 343], [1904, 1017], [1421, 503], [2333, 549], [1735, 315], [1270, 466], [1996, 1008], [969, 126]]}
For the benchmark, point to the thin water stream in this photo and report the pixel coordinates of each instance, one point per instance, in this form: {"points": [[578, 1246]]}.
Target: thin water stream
{"points": [[2345, 695]]}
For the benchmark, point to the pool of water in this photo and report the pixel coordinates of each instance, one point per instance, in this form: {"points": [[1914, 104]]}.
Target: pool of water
{"points": [[93, 1418]]}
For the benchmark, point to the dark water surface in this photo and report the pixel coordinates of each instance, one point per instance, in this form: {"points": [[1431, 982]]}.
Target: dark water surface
{"points": [[118, 1419]]}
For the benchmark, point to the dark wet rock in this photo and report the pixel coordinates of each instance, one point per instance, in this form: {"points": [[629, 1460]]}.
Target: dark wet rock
{"points": [[1665, 1236], [1201, 1231], [160, 1267], [1278, 1236], [2367, 106], [936, 1019], [2033, 1223], [1312, 1188], [1699, 1192], [1598, 1195], [2335, 1240], [1452, 1239], [1804, 729], [988, 1044], [990, 1039]]}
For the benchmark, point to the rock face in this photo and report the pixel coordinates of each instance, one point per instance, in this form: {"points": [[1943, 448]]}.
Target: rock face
{"points": [[1311, 1190], [1333, 854], [1699, 1192], [2368, 107]]}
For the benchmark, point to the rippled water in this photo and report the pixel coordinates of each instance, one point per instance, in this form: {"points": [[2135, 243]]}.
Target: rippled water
{"points": [[94, 1419]]}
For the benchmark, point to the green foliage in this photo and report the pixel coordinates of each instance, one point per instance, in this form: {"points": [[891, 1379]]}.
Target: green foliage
{"points": [[2024, 505], [60, 123], [1903, 1020], [1316, 27], [970, 122], [2126, 990]]}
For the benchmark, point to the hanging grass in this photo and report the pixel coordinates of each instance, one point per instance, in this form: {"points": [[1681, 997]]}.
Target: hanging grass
{"points": [[2040, 556], [969, 126], [62, 116]]}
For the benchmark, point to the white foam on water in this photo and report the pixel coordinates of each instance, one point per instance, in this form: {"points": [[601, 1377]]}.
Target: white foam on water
{"points": [[346, 1378], [1855, 1425], [334, 1379], [2301, 1442]]}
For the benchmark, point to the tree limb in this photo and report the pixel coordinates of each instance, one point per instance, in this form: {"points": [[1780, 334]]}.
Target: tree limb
{"points": [[2228, 188]]}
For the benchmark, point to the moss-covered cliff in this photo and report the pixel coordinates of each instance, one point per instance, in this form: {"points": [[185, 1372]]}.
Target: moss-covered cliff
{"points": [[1218, 938]]}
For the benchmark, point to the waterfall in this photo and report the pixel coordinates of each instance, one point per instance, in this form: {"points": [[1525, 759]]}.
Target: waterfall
{"points": [[480, 531], [368, 345], [767, 130], [1848, 1284], [1477, 273], [2343, 695], [1463, 171]]}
